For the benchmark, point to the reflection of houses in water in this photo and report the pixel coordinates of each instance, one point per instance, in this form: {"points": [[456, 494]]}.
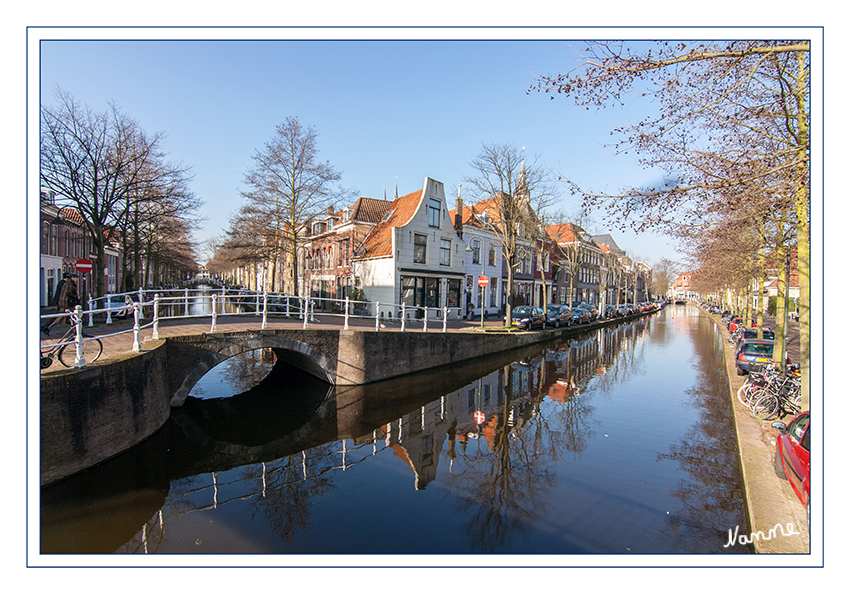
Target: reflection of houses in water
{"points": [[474, 413]]}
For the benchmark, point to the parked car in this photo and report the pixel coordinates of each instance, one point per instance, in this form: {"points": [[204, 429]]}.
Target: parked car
{"points": [[558, 315], [791, 460], [526, 317], [753, 354], [580, 315], [753, 333], [610, 311], [120, 306]]}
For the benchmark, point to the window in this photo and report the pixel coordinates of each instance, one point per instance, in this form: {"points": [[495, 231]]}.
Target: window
{"points": [[491, 255], [476, 251], [445, 252], [434, 212], [493, 291], [453, 293], [420, 247]]}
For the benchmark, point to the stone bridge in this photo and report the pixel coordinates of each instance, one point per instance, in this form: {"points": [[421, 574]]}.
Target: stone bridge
{"points": [[339, 357]]}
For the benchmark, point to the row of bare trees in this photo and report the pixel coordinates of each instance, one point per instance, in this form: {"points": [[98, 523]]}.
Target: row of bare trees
{"points": [[730, 137], [105, 166]]}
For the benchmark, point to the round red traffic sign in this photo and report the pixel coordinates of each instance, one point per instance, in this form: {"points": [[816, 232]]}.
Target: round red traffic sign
{"points": [[83, 265], [483, 281]]}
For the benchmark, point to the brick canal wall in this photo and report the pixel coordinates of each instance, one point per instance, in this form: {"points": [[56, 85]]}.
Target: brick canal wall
{"points": [[367, 357], [95, 413]]}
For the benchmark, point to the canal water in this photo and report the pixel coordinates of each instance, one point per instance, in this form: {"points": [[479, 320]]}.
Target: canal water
{"points": [[616, 441]]}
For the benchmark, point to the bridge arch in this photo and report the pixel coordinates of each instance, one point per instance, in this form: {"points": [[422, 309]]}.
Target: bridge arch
{"points": [[287, 349]]}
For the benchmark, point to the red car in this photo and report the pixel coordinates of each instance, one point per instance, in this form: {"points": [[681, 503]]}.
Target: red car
{"points": [[792, 454]]}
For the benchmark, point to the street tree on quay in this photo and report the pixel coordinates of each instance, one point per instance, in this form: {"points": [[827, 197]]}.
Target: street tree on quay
{"points": [[99, 162], [287, 187], [515, 196], [730, 115]]}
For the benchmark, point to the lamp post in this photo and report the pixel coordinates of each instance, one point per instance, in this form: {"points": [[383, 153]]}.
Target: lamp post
{"points": [[483, 275]]}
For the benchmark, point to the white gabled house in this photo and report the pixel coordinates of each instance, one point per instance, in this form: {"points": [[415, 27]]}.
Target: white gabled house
{"points": [[413, 256], [484, 258]]}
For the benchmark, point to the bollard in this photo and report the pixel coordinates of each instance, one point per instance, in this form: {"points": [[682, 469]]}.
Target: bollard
{"points": [[108, 307], [265, 309], [77, 318], [214, 304], [141, 300], [155, 331], [304, 312], [137, 347], [91, 315], [186, 302], [403, 316], [425, 326], [377, 317], [345, 327], [445, 319]]}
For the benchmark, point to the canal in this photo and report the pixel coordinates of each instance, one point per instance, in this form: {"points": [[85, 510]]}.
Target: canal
{"points": [[616, 441]]}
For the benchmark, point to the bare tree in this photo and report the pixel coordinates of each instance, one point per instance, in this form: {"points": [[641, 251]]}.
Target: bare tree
{"points": [[731, 115], [104, 165], [515, 196], [288, 186]]}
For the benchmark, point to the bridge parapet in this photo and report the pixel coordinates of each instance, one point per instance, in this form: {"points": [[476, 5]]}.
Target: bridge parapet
{"points": [[339, 357]]}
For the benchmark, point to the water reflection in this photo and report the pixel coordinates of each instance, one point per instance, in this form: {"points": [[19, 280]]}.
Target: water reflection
{"points": [[616, 441]]}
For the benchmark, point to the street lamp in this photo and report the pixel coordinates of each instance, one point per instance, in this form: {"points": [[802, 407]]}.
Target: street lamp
{"points": [[483, 275]]}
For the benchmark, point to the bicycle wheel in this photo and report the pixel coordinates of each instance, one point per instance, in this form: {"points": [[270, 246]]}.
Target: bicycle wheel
{"points": [[766, 407], [92, 349], [745, 394]]}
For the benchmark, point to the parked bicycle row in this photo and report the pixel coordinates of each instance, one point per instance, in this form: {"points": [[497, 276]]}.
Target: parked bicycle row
{"points": [[771, 393]]}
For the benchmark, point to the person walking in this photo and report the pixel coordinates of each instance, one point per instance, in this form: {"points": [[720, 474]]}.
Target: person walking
{"points": [[68, 300]]}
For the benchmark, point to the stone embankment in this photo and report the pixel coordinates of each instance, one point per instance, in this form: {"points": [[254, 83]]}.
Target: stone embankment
{"points": [[770, 499]]}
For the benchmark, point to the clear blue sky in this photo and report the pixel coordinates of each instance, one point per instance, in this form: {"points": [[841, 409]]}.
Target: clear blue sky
{"points": [[383, 110]]}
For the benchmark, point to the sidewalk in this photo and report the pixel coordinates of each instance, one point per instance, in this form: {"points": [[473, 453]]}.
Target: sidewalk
{"points": [[770, 499]]}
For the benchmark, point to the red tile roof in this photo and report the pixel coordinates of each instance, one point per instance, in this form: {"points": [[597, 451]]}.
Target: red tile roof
{"points": [[379, 243], [369, 210], [564, 233]]}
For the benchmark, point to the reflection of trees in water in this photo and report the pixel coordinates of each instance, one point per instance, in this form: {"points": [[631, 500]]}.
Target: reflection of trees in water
{"points": [[510, 484], [712, 495], [288, 488], [509, 487], [243, 371]]}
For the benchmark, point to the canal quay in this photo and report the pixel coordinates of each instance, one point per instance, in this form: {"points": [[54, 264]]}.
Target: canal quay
{"points": [[613, 439]]}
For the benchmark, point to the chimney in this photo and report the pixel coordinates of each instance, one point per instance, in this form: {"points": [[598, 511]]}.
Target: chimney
{"points": [[459, 213]]}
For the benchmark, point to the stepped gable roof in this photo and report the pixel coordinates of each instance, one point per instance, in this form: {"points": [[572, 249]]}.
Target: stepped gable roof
{"points": [[379, 242], [369, 210]]}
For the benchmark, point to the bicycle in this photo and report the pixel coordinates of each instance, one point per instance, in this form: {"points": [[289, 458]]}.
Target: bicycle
{"points": [[66, 348], [781, 398]]}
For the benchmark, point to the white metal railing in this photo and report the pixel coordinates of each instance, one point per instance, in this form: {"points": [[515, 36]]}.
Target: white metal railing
{"points": [[185, 303]]}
